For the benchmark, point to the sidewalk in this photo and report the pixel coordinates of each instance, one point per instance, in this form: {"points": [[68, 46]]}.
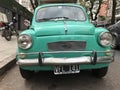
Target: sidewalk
{"points": [[7, 53]]}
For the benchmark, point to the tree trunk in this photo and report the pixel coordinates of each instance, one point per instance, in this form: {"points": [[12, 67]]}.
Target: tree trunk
{"points": [[31, 1], [92, 4], [34, 3], [113, 12], [100, 2]]}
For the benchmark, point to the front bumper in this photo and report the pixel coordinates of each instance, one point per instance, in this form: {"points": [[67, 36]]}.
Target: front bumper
{"points": [[92, 59]]}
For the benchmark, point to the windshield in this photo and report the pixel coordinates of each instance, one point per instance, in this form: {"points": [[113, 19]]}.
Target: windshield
{"points": [[64, 12]]}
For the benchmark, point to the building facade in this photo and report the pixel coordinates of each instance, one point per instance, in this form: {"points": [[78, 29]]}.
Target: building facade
{"points": [[26, 4], [10, 9]]}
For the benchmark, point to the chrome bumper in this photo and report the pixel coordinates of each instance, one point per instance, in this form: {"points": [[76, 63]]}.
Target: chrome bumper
{"points": [[64, 61], [92, 59]]}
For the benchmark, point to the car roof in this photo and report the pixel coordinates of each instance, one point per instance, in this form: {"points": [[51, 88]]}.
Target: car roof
{"points": [[62, 4]]}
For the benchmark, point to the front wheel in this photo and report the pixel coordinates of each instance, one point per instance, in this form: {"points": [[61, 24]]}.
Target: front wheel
{"points": [[7, 34], [100, 72], [26, 74]]}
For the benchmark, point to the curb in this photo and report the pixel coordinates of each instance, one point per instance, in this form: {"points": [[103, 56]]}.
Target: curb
{"points": [[5, 67]]}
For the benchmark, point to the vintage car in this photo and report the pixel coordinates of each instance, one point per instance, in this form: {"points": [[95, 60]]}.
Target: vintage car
{"points": [[63, 40]]}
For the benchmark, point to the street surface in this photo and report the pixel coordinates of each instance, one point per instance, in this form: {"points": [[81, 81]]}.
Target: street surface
{"points": [[12, 80], [7, 53], [7, 50]]}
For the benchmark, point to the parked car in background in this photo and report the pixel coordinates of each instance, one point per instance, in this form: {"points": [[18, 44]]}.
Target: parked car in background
{"points": [[62, 39], [115, 31]]}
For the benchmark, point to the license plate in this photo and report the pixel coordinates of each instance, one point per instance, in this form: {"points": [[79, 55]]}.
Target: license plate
{"points": [[66, 69]]}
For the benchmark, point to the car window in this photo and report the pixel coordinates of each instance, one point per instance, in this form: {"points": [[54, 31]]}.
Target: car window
{"points": [[73, 13]]}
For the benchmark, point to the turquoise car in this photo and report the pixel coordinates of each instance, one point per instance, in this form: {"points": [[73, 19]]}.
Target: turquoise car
{"points": [[62, 39]]}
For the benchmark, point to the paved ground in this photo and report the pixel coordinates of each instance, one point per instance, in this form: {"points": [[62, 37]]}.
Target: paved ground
{"points": [[12, 80], [7, 52]]}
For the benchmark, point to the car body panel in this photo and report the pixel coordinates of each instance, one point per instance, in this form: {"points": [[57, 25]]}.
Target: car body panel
{"points": [[51, 68]]}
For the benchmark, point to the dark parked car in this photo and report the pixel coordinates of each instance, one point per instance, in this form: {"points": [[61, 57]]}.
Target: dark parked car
{"points": [[115, 31]]}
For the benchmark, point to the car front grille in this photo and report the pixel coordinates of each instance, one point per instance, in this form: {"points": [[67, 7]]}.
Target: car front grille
{"points": [[67, 46]]}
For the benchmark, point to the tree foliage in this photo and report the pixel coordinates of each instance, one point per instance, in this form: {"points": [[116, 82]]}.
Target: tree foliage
{"points": [[92, 6], [118, 2]]}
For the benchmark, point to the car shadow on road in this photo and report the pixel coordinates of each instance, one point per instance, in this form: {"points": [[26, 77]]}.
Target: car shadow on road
{"points": [[49, 81]]}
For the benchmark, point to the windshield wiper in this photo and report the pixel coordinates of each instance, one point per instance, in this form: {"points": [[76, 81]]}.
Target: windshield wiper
{"points": [[63, 18], [44, 19], [60, 18], [53, 18]]}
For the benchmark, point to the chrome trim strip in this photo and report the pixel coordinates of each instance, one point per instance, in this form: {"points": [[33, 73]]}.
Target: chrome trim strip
{"points": [[65, 61], [56, 52]]}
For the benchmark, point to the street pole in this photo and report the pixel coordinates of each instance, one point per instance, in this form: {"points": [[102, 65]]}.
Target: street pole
{"points": [[113, 12]]}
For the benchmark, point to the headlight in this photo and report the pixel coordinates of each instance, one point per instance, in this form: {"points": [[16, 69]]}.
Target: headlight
{"points": [[105, 39], [24, 41]]}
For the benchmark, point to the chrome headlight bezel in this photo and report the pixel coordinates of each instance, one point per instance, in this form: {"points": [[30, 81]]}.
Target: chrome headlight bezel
{"points": [[105, 39], [24, 41]]}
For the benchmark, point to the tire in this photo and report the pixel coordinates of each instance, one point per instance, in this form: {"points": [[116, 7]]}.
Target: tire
{"points": [[114, 43], [99, 73], [26, 74], [7, 35]]}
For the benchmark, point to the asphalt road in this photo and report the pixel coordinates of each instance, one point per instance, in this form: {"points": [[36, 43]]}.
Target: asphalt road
{"points": [[12, 80]]}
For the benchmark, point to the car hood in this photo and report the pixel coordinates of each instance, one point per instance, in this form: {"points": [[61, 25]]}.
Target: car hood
{"points": [[63, 28]]}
